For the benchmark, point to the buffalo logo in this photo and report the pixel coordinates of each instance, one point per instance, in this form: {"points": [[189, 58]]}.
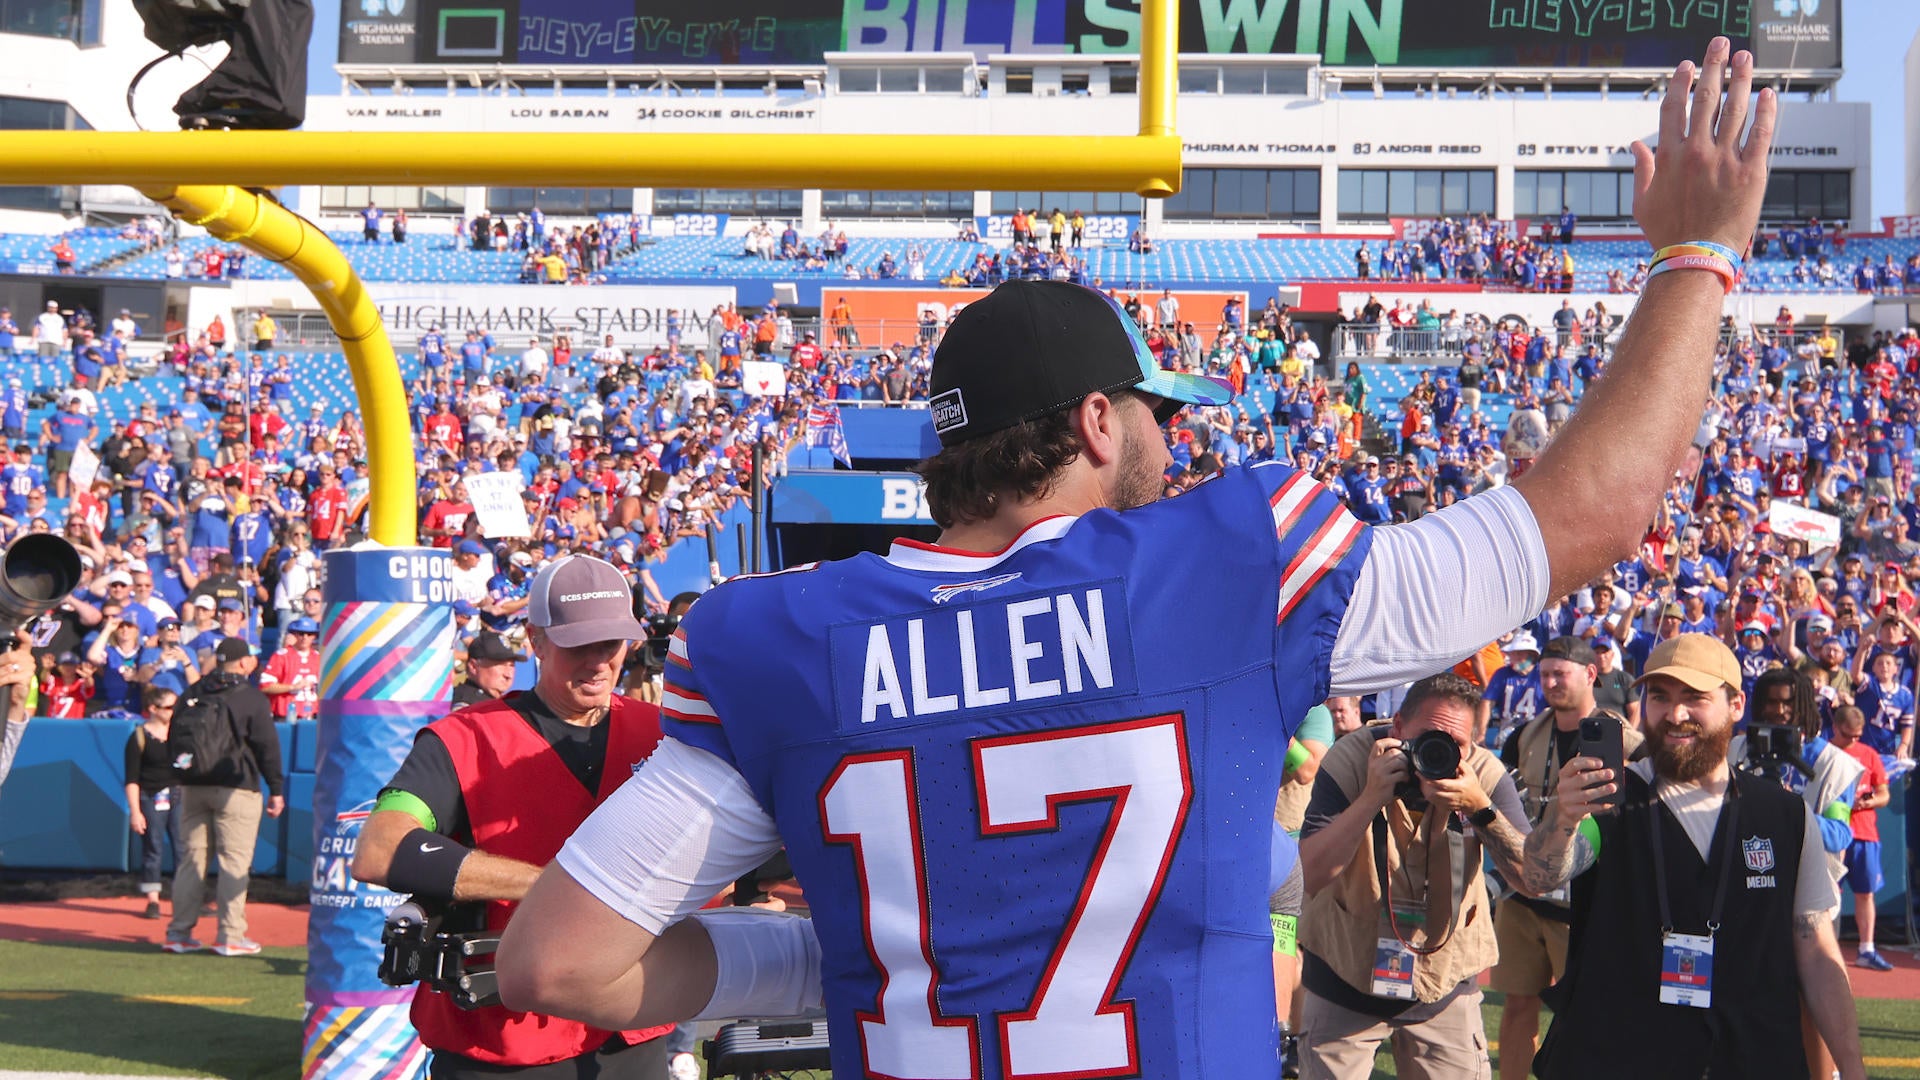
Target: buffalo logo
{"points": [[1758, 851], [944, 593]]}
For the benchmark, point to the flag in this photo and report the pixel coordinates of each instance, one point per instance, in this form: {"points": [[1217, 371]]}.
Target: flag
{"points": [[824, 428]]}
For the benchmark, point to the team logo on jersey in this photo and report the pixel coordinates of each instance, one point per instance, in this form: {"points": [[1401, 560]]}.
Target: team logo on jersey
{"points": [[1758, 851], [949, 411], [944, 593]]}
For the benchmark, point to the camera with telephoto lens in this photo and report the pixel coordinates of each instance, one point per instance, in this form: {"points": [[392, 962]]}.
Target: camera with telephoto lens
{"points": [[38, 571], [1432, 755], [1772, 750], [446, 946]]}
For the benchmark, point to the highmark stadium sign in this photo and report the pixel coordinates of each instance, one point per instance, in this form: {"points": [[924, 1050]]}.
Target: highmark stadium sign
{"points": [[1419, 33]]}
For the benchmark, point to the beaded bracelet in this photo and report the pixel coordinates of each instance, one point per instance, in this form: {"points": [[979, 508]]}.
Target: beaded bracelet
{"points": [[1729, 271]]}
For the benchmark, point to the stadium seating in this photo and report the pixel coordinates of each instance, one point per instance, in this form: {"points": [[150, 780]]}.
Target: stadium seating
{"points": [[90, 245], [434, 258]]}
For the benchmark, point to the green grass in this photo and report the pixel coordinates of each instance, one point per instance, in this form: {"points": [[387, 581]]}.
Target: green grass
{"points": [[103, 1008], [1889, 1035], [74, 1007]]}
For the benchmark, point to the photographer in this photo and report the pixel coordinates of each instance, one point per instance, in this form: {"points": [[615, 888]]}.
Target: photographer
{"points": [[649, 666], [1784, 717], [488, 795], [1396, 931], [1532, 932], [1699, 953]]}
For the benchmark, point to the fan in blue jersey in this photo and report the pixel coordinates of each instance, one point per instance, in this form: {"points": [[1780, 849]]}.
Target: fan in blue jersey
{"points": [[1027, 773], [20, 476], [473, 356], [250, 535]]}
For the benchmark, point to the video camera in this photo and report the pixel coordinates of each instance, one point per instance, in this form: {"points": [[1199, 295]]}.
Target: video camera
{"points": [[446, 946], [1432, 755], [1772, 749], [38, 571], [660, 630]]}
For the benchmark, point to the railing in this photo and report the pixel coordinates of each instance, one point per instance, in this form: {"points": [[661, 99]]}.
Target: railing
{"points": [[1362, 341]]}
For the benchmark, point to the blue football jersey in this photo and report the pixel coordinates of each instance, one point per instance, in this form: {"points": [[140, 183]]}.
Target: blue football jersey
{"points": [[1029, 794]]}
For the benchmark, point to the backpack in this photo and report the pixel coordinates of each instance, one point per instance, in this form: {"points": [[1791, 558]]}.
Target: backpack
{"points": [[204, 744]]}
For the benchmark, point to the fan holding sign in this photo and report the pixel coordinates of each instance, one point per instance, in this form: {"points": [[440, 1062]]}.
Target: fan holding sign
{"points": [[763, 378]]}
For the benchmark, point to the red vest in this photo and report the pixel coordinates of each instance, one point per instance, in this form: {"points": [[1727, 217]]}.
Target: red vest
{"points": [[522, 803]]}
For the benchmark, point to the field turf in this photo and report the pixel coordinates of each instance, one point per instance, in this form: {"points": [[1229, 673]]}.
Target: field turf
{"points": [[130, 1009]]}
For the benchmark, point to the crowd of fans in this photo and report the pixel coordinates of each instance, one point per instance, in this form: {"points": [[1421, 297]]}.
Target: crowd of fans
{"points": [[1477, 249], [225, 495]]}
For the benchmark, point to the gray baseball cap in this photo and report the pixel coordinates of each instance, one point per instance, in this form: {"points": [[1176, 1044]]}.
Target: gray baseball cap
{"points": [[581, 600]]}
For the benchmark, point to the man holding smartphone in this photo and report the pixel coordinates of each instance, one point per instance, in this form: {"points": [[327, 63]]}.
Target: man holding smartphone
{"points": [[1532, 932], [1705, 891]]}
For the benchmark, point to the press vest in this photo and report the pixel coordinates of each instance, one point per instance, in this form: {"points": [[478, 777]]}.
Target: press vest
{"points": [[1341, 923], [1540, 774], [522, 803], [1612, 983]]}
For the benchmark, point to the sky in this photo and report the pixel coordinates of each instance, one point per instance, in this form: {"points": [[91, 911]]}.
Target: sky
{"points": [[1874, 38]]}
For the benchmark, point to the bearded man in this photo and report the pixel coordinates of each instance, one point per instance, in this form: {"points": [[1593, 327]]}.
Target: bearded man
{"points": [[1701, 905]]}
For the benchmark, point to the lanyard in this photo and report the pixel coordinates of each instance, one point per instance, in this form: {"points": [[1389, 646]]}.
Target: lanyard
{"points": [[1457, 863], [1731, 823]]}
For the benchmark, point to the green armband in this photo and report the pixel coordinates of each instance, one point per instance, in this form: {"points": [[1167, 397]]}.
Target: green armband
{"points": [[406, 802], [1297, 756], [1837, 811], [1590, 829], [1285, 936]]}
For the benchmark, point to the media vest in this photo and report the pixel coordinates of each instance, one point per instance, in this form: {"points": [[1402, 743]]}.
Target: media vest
{"points": [[1341, 923], [522, 803], [1612, 983], [1540, 773]]}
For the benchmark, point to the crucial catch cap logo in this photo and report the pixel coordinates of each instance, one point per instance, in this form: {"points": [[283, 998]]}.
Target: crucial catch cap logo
{"points": [[949, 411]]}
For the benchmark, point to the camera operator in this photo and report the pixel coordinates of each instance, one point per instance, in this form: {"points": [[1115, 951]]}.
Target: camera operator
{"points": [[649, 665], [1687, 958], [1532, 932], [1824, 775], [488, 795], [17, 672], [1396, 931]]}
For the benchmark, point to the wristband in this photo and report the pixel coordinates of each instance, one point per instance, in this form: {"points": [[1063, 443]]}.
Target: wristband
{"points": [[766, 963], [1699, 247], [426, 864], [1729, 274], [1297, 756], [1286, 939]]}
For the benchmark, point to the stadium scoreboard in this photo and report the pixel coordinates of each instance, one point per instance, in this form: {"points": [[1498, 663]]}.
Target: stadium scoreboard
{"points": [[1784, 34]]}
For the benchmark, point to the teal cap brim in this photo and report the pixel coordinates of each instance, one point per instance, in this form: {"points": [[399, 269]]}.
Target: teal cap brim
{"points": [[1185, 388]]}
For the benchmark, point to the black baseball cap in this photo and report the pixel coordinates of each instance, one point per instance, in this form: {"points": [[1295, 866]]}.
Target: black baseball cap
{"points": [[1570, 648], [1031, 348], [488, 645]]}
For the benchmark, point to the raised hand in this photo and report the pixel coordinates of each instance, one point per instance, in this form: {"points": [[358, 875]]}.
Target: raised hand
{"points": [[1704, 182]]}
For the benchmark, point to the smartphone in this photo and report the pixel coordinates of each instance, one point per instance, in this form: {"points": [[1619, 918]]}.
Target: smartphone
{"points": [[1601, 737]]}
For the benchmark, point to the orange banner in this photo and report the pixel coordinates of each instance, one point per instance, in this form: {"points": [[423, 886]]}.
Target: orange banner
{"points": [[886, 316]]}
